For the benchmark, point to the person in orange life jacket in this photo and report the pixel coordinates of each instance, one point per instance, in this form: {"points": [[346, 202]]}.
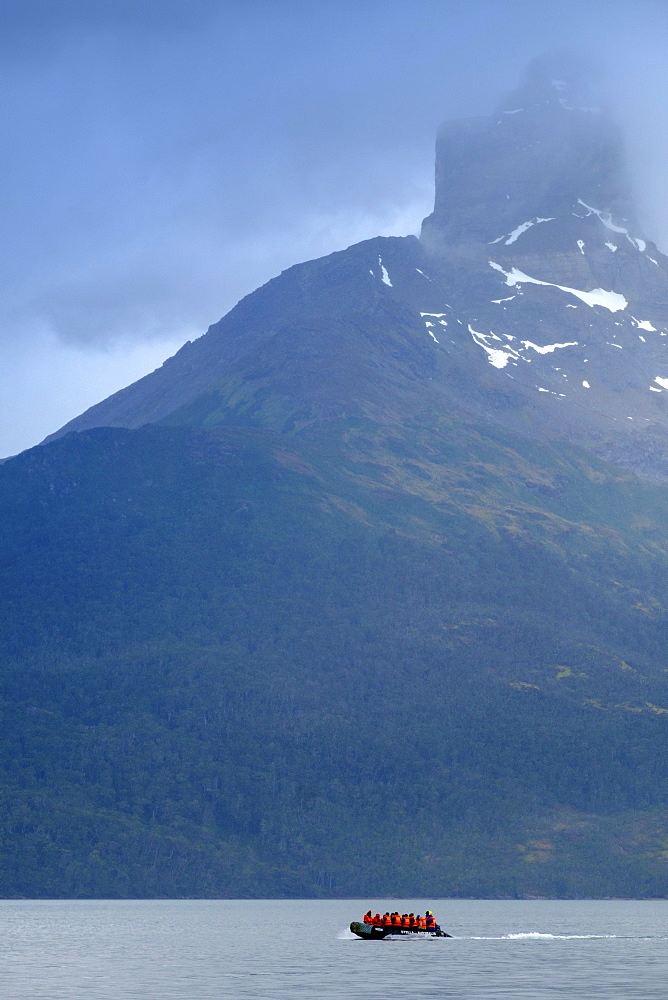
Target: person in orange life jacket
{"points": [[411, 920], [405, 921], [421, 921], [368, 919], [377, 920], [430, 922], [396, 919], [387, 919]]}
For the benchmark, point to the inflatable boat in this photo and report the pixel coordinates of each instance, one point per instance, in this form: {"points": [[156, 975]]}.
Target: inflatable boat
{"points": [[372, 932]]}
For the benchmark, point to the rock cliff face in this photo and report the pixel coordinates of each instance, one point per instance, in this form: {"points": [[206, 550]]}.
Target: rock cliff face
{"points": [[532, 298], [535, 229], [548, 145]]}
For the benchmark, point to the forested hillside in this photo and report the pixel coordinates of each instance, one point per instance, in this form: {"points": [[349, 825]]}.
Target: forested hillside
{"points": [[425, 659]]}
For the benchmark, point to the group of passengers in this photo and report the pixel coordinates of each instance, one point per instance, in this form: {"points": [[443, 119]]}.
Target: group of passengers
{"points": [[409, 920]]}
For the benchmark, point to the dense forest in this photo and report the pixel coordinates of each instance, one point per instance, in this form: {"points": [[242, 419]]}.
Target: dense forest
{"points": [[411, 660]]}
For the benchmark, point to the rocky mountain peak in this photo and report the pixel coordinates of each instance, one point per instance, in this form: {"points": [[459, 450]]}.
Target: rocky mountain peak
{"points": [[549, 146], [563, 79]]}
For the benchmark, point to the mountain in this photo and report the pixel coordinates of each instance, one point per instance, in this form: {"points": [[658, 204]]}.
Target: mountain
{"points": [[363, 592], [532, 299]]}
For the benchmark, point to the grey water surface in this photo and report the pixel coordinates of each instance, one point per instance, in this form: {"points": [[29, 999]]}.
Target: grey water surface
{"points": [[206, 949]]}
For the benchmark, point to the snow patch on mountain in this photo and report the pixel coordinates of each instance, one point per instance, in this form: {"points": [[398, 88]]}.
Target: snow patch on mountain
{"points": [[606, 219], [559, 395], [644, 324], [496, 357], [386, 277], [429, 325], [549, 348], [516, 233], [613, 301], [573, 107]]}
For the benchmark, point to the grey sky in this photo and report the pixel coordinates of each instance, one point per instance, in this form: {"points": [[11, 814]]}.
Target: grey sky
{"points": [[161, 158]]}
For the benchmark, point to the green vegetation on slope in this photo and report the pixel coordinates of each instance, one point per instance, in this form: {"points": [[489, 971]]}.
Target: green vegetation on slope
{"points": [[419, 659]]}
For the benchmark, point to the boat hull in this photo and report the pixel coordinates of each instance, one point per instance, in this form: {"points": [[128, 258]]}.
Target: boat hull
{"points": [[370, 932]]}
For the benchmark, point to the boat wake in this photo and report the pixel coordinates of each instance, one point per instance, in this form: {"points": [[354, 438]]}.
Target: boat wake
{"points": [[347, 935], [541, 936]]}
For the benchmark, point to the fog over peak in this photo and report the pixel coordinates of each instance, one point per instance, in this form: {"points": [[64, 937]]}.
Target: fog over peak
{"points": [[557, 76], [160, 161], [548, 145]]}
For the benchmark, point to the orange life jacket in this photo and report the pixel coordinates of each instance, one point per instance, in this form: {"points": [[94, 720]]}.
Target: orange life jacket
{"points": [[387, 920], [368, 918], [377, 920], [396, 920], [423, 921], [430, 921], [405, 922]]}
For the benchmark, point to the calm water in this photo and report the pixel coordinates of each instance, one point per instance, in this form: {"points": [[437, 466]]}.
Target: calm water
{"points": [[197, 950]]}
